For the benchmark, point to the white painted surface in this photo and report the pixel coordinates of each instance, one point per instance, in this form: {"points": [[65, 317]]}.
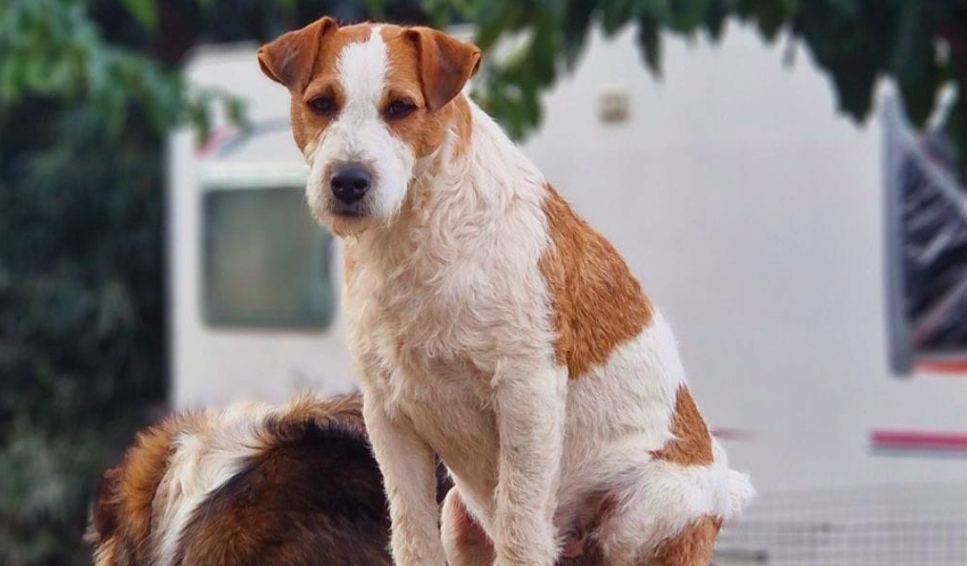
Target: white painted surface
{"points": [[750, 210], [217, 366]]}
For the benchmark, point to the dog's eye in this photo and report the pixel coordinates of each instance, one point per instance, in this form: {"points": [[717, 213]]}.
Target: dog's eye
{"points": [[398, 108], [324, 105]]}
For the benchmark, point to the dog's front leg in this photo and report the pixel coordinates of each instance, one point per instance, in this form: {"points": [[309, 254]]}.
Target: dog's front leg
{"points": [[529, 404], [409, 467]]}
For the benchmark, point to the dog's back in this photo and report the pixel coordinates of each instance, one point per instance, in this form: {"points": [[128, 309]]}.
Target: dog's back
{"points": [[292, 485]]}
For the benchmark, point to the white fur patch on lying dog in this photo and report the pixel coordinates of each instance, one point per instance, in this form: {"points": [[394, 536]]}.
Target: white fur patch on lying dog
{"points": [[201, 461]]}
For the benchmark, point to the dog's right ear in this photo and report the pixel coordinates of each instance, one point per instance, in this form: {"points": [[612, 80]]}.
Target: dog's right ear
{"points": [[289, 58]]}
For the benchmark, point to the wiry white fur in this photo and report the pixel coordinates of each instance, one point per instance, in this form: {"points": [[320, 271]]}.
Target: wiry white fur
{"points": [[449, 319], [200, 463], [454, 281], [359, 134], [664, 497], [617, 415]]}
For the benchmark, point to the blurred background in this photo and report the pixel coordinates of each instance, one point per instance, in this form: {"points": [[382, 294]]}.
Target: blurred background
{"points": [[786, 177]]}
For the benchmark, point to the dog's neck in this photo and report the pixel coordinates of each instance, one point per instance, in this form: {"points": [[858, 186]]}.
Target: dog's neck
{"points": [[458, 195]]}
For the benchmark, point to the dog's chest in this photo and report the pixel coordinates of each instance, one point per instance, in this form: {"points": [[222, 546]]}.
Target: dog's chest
{"points": [[429, 332], [434, 359]]}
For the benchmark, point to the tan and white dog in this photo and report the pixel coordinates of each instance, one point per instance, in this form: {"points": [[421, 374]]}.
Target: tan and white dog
{"points": [[491, 325]]}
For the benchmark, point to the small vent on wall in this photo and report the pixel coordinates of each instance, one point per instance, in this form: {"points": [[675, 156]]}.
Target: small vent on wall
{"points": [[613, 104]]}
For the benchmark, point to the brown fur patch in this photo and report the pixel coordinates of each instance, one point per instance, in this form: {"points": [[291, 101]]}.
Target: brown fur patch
{"points": [[342, 412], [597, 303], [410, 78], [691, 547], [104, 508], [304, 61], [143, 469], [445, 64], [692, 445], [322, 79], [124, 503], [423, 130], [289, 59]]}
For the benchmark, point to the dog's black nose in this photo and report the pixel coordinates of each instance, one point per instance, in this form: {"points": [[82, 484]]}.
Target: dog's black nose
{"points": [[350, 182]]}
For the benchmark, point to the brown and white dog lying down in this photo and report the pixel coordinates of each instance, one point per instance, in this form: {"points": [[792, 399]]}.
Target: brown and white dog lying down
{"points": [[294, 485], [491, 325]]}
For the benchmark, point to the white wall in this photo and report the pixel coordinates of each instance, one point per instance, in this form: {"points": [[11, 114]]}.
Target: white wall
{"points": [[752, 214]]}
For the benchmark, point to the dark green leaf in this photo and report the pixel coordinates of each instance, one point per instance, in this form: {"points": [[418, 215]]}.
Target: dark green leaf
{"points": [[577, 24], [144, 11], [686, 15], [649, 41], [614, 15], [771, 15], [715, 18]]}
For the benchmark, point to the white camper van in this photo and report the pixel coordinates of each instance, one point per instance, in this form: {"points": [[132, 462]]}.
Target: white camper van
{"points": [[753, 214]]}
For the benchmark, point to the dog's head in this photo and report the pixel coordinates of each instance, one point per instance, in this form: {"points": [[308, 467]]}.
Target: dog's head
{"points": [[371, 105]]}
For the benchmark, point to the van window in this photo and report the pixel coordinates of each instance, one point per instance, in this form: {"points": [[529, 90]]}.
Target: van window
{"points": [[266, 263]]}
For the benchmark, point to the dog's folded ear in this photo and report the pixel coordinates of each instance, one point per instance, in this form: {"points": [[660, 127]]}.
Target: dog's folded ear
{"points": [[289, 58], [445, 63]]}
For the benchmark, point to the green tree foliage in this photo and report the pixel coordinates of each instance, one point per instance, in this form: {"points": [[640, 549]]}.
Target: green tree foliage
{"points": [[922, 44], [88, 91], [80, 250]]}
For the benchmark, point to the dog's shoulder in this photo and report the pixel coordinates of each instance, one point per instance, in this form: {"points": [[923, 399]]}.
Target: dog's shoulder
{"points": [[597, 303]]}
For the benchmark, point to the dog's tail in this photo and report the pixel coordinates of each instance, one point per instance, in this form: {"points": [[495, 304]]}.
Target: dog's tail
{"points": [[740, 493]]}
